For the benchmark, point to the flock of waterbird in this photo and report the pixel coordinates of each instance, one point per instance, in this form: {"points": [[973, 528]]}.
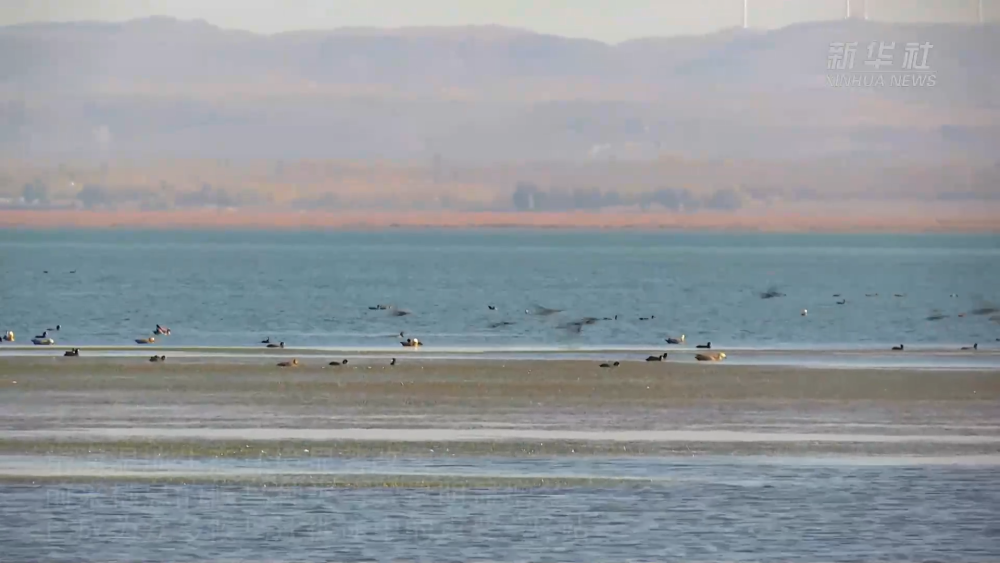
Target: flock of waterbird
{"points": [[44, 339]]}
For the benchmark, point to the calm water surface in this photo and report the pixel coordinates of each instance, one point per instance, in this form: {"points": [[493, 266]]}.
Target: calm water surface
{"points": [[314, 289], [706, 511]]}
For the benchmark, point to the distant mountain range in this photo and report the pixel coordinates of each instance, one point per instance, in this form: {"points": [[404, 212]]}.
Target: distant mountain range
{"points": [[161, 87]]}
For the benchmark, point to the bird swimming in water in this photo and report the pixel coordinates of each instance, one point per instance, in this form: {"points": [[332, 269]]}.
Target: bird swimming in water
{"points": [[898, 348], [973, 347], [149, 340], [771, 293], [411, 343], [659, 358], [614, 365], [266, 340], [713, 357], [805, 312], [842, 301], [676, 340], [278, 345], [492, 307], [706, 345], [44, 334]]}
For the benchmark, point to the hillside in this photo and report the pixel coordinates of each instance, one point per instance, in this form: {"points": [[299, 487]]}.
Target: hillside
{"points": [[160, 87]]}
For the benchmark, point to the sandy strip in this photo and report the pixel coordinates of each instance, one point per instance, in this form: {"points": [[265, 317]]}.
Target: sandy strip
{"points": [[490, 407], [477, 435], [422, 386]]}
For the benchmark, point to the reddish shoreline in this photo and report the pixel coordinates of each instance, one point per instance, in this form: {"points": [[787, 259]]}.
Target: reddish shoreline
{"points": [[984, 222]]}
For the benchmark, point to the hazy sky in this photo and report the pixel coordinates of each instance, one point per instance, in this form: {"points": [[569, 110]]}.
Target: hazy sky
{"points": [[606, 20]]}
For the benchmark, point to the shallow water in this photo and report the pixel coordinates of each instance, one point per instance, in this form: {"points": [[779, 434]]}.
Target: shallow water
{"points": [[701, 510], [314, 289]]}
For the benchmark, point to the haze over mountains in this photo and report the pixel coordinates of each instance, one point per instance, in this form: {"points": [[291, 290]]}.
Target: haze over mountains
{"points": [[488, 108]]}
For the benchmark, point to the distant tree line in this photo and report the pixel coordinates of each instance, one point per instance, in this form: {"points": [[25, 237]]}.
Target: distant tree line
{"points": [[94, 196], [529, 197]]}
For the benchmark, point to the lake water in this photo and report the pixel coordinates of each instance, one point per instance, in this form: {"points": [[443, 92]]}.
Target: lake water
{"points": [[312, 289], [690, 510]]}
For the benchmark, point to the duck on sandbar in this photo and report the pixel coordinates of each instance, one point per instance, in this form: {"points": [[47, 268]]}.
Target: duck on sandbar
{"points": [[71, 353], [898, 348], [157, 358], [393, 362], [659, 358], [336, 363], [614, 365], [278, 345], [293, 363], [149, 340], [973, 347], [713, 357], [676, 340]]}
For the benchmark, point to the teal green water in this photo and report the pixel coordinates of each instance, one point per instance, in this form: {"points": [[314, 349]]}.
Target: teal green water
{"points": [[312, 289]]}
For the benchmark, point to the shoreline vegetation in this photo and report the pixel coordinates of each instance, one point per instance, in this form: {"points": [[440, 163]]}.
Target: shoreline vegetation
{"points": [[949, 221]]}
